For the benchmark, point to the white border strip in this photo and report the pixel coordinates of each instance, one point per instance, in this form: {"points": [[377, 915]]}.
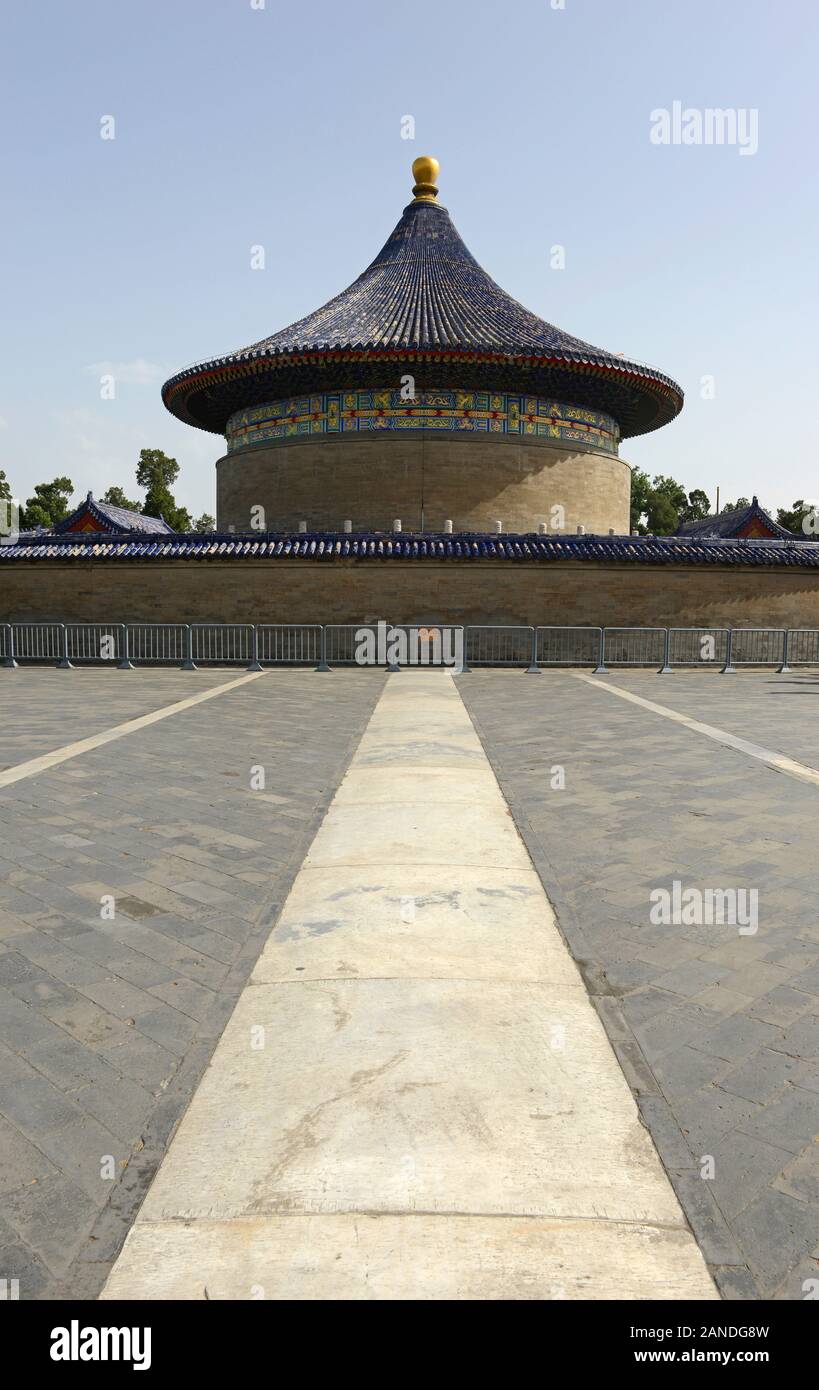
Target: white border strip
{"points": [[73, 750], [778, 761]]}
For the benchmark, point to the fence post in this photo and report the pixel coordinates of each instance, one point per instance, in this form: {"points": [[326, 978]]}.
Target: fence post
{"points": [[665, 669], [322, 664], [533, 669], [601, 669], [125, 663], [784, 669], [8, 660], [466, 669], [255, 664], [64, 664], [729, 669], [392, 664], [188, 664]]}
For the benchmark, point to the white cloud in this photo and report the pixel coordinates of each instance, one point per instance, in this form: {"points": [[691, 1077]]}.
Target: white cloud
{"points": [[4, 424], [136, 373]]}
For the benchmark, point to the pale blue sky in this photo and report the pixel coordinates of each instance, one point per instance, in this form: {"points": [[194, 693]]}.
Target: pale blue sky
{"points": [[281, 126]]}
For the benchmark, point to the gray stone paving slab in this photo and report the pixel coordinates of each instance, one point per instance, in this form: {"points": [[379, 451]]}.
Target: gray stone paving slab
{"points": [[761, 1076], [20, 1156], [745, 1168], [54, 1218], [107, 1025], [140, 1058], [801, 1177], [776, 1231], [44, 709], [790, 1120], [724, 1025]]}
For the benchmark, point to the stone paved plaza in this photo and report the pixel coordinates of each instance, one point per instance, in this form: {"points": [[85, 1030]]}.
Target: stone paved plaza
{"points": [[108, 1023], [107, 1026], [717, 1032]]}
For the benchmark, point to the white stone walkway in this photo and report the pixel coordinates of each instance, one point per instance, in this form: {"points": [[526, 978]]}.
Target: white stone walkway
{"points": [[414, 1097]]}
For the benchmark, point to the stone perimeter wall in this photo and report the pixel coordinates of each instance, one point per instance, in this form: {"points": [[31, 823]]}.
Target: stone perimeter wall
{"points": [[340, 591], [371, 479]]}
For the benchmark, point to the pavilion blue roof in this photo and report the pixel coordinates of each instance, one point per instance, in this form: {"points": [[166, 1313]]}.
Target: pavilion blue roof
{"points": [[730, 523], [112, 519], [328, 547], [424, 299], [426, 289]]}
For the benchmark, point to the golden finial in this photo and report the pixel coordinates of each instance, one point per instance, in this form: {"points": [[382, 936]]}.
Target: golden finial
{"points": [[425, 171]]}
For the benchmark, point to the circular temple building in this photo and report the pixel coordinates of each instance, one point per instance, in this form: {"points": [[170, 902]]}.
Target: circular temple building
{"points": [[423, 393]]}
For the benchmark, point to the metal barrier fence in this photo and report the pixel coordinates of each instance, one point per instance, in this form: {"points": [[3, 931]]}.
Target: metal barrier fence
{"points": [[499, 646], [696, 646], [802, 647], [92, 642], [288, 644], [345, 644], [569, 646], [430, 644], [401, 645], [220, 644], [38, 642], [155, 644], [392, 645], [633, 646], [757, 646]]}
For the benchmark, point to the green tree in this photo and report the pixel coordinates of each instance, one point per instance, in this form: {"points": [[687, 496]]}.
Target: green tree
{"points": [[48, 505], [663, 515], [793, 519], [666, 501], [115, 497], [8, 522], [698, 506], [204, 523], [640, 489], [156, 472], [738, 506]]}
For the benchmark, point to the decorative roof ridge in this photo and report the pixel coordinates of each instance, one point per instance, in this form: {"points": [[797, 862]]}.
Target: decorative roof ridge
{"points": [[420, 546], [109, 515], [552, 537], [735, 517]]}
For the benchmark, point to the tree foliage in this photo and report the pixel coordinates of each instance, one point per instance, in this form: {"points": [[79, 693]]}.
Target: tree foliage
{"points": [[115, 497], [156, 472], [48, 505], [640, 489], [698, 507], [661, 504], [801, 518]]}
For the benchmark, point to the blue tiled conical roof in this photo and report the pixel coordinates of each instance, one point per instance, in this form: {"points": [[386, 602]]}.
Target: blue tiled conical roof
{"points": [[426, 290], [425, 301]]}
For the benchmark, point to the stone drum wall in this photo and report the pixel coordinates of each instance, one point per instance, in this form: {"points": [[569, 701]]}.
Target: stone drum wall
{"points": [[470, 457]]}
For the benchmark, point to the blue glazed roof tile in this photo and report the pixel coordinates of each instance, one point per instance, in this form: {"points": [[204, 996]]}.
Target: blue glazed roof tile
{"points": [[728, 524], [111, 519], [424, 298], [530, 548]]}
